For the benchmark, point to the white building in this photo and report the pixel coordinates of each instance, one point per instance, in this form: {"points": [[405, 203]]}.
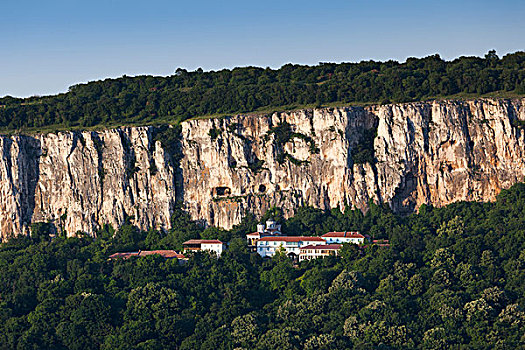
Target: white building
{"points": [[344, 237], [212, 245], [267, 246], [252, 239], [310, 252], [272, 228]]}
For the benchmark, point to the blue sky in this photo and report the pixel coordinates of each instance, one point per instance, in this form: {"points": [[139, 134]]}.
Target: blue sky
{"points": [[46, 46]]}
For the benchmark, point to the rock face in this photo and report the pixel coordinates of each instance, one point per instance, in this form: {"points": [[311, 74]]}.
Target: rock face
{"points": [[434, 153], [80, 181]]}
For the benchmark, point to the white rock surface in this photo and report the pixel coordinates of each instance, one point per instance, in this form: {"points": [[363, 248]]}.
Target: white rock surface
{"points": [[430, 152], [66, 179]]}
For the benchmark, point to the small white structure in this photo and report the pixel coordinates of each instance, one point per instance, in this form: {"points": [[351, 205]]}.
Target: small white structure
{"points": [[310, 252], [252, 238], [212, 245], [268, 246], [272, 228], [344, 237]]}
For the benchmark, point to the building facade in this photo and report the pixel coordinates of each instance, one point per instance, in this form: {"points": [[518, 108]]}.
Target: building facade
{"points": [[272, 228], [310, 252], [212, 245], [268, 246], [344, 237]]}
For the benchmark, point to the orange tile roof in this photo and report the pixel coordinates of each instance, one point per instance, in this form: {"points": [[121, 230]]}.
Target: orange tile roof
{"points": [[164, 253], [124, 255], [167, 254], [203, 241]]}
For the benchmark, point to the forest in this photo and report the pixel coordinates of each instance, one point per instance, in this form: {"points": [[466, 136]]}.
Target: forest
{"points": [[453, 277], [160, 100]]}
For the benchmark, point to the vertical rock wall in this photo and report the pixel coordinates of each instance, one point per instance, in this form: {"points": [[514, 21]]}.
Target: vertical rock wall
{"points": [[80, 181], [434, 153]]}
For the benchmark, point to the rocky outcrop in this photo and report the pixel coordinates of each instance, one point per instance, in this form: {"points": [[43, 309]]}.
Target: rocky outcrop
{"points": [[434, 153], [80, 181]]}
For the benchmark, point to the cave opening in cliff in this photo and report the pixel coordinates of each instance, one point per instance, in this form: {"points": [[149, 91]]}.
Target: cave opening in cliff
{"points": [[222, 191]]}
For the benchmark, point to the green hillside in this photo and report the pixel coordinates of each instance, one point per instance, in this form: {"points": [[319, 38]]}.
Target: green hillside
{"points": [[159, 100], [452, 278]]}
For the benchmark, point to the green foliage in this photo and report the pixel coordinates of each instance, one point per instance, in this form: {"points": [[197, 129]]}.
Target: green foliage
{"points": [[98, 143], [41, 230], [518, 123], [283, 134], [128, 238], [363, 151], [183, 229], [214, 133], [256, 165], [248, 224], [317, 280], [169, 137], [149, 99], [245, 330], [278, 277], [453, 277]]}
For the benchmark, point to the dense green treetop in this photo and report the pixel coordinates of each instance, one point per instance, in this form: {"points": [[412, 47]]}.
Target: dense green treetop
{"points": [[151, 99], [453, 277]]}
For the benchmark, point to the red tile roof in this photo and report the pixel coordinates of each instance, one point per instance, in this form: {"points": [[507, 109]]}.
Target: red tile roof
{"points": [[292, 239], [323, 246], [167, 254], [203, 241], [125, 255], [343, 235]]}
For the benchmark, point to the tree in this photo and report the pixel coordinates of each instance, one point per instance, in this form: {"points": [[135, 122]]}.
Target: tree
{"points": [[281, 273], [152, 312], [245, 330], [41, 231]]}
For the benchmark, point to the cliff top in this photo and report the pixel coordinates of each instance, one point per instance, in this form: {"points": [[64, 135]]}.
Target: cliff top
{"points": [[491, 97], [148, 100]]}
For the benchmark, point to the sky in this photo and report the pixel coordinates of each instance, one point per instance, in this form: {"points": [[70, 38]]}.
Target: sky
{"points": [[47, 46]]}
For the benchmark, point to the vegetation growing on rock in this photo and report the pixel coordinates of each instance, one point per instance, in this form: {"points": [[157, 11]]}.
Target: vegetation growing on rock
{"points": [[282, 135]]}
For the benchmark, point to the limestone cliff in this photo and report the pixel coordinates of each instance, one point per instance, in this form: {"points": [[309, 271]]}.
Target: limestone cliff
{"points": [[434, 153], [80, 181]]}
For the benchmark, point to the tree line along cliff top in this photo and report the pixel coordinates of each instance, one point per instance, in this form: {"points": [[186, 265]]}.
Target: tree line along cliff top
{"points": [[172, 99]]}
